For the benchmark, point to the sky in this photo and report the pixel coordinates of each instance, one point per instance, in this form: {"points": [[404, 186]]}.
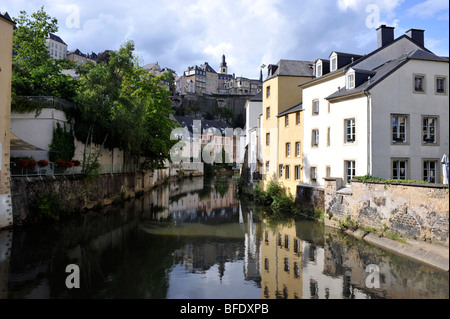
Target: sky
{"points": [[250, 33]]}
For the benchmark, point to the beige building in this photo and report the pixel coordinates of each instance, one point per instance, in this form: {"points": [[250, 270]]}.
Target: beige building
{"points": [[280, 93], [6, 40], [79, 58], [57, 48], [281, 263], [290, 154]]}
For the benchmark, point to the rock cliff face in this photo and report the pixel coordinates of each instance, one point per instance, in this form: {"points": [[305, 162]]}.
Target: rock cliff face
{"points": [[228, 108]]}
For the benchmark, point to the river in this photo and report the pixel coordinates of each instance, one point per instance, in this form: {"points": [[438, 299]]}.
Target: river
{"points": [[198, 240]]}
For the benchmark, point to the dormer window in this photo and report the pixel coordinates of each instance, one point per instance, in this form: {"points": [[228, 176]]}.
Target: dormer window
{"points": [[351, 81], [333, 64], [319, 69]]}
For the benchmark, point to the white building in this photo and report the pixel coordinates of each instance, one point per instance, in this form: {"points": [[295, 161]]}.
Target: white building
{"points": [[385, 113], [57, 48]]}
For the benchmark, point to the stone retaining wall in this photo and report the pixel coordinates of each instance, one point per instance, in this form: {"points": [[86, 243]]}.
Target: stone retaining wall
{"points": [[76, 194], [413, 210]]}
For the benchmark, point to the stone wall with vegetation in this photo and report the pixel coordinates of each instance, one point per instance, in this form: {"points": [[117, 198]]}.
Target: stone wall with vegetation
{"points": [[419, 211], [71, 194]]}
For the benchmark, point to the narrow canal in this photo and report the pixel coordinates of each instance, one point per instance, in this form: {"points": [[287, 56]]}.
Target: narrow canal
{"points": [[197, 239]]}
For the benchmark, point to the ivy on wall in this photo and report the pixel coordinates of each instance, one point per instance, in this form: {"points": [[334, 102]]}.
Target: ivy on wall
{"points": [[62, 145]]}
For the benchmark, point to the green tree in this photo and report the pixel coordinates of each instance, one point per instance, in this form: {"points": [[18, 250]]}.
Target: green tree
{"points": [[121, 105], [62, 145], [34, 72]]}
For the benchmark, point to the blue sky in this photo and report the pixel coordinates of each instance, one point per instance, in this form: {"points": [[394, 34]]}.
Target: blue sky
{"points": [[181, 33]]}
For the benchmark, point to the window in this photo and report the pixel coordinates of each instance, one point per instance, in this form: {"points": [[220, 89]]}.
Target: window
{"points": [[315, 138], [328, 171], [267, 167], [268, 113], [288, 172], [313, 174], [315, 108], [281, 170], [268, 92], [400, 169], [286, 120], [297, 116], [441, 87], [350, 170], [333, 63], [297, 172], [429, 130], [297, 149], [267, 138], [266, 263], [296, 245], [286, 264], [429, 170], [286, 241], [399, 129], [419, 83], [328, 136], [350, 131], [319, 70], [351, 81], [288, 149], [296, 270]]}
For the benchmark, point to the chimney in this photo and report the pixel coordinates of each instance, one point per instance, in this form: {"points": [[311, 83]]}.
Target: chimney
{"points": [[417, 35], [385, 35]]}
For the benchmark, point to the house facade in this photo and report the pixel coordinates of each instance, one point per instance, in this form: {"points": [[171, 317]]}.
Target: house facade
{"points": [[280, 93], [384, 114], [80, 58], [57, 48], [290, 135], [6, 39]]}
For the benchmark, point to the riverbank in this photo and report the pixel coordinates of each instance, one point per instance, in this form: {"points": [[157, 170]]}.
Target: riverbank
{"points": [[435, 255]]}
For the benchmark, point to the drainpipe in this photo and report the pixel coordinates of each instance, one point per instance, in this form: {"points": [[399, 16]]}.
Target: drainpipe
{"points": [[369, 132]]}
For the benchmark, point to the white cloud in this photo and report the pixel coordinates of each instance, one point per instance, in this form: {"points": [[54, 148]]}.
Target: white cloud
{"points": [[430, 9]]}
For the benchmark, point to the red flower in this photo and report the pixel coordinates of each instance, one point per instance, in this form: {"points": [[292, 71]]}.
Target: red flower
{"points": [[42, 163], [25, 162]]}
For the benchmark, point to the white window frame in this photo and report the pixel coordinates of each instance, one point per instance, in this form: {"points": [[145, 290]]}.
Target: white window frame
{"points": [[288, 172], [298, 149], [319, 69], [437, 85], [397, 166], [428, 171], [350, 170], [427, 130], [297, 172], [315, 107], [333, 64], [315, 138], [288, 149], [397, 128], [350, 131], [280, 170], [313, 174], [350, 80]]}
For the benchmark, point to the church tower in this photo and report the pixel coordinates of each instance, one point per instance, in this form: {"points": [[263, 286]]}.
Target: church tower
{"points": [[223, 66]]}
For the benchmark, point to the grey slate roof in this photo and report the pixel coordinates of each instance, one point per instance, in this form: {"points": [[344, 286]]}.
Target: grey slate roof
{"points": [[293, 68], [56, 38], [188, 123], [257, 97], [6, 16], [380, 73], [295, 108]]}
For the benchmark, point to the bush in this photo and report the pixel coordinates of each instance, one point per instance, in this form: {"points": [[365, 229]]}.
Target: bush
{"points": [[46, 207]]}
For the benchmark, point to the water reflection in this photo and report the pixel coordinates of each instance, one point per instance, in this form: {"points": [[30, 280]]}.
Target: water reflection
{"points": [[196, 239]]}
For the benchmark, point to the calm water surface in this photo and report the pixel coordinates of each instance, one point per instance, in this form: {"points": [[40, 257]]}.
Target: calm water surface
{"points": [[196, 240]]}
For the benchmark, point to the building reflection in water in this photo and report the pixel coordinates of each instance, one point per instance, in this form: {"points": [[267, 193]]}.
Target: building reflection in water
{"points": [[196, 239]]}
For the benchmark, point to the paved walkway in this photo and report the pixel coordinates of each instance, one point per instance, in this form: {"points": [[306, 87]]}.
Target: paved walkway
{"points": [[432, 254]]}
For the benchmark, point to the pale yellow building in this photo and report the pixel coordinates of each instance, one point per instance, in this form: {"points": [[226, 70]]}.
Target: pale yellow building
{"points": [[280, 93], [57, 48], [290, 152], [78, 57], [6, 40], [281, 263]]}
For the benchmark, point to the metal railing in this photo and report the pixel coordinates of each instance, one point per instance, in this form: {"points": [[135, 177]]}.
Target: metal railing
{"points": [[53, 170]]}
